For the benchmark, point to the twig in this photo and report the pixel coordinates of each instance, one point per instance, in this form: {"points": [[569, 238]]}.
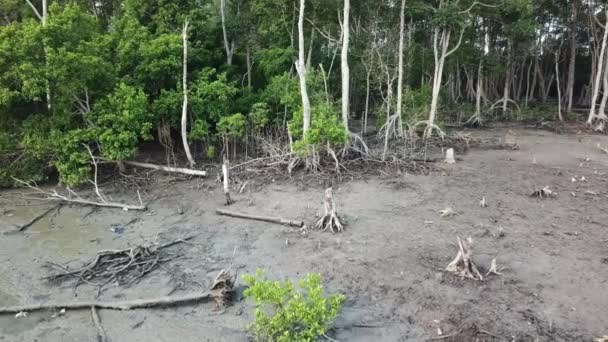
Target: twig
{"points": [[37, 218], [101, 334], [279, 220]]}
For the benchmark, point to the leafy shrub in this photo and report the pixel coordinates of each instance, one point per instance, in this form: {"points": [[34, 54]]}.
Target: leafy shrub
{"points": [[325, 127], [284, 314], [72, 160], [259, 115], [232, 126]]}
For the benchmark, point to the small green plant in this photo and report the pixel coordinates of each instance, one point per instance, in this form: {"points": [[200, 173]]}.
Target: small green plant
{"points": [[285, 314]]}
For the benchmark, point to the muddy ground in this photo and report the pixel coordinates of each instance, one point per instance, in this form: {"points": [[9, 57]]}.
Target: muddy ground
{"points": [[389, 262]]}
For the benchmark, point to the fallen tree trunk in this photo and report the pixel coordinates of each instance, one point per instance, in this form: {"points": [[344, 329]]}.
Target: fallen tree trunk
{"points": [[121, 305], [37, 218], [184, 171], [220, 292], [279, 220]]}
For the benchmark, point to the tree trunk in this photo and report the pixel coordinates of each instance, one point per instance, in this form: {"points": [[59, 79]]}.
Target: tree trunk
{"points": [[185, 104], [344, 65], [598, 75], [400, 79], [310, 47], [559, 91], [508, 76], [229, 47], [249, 66], [571, 69], [367, 91], [301, 68]]}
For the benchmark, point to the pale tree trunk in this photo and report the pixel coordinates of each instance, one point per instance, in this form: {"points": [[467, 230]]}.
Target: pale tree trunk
{"points": [[367, 91], [602, 110], [440, 53], [571, 69], [478, 93], [227, 45], [508, 76], [598, 75], [301, 68], [559, 90], [185, 104], [344, 65], [249, 66], [400, 79], [310, 47]]}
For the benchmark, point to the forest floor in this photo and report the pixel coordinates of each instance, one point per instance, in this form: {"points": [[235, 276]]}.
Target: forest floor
{"points": [[389, 261]]}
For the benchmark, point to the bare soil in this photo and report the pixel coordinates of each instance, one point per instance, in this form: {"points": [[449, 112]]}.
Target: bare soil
{"points": [[389, 261]]}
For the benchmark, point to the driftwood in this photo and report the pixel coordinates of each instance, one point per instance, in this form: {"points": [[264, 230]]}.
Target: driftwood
{"points": [[101, 334], [330, 219], [220, 292], [225, 172], [463, 265], [279, 220], [125, 266], [37, 218], [190, 172]]}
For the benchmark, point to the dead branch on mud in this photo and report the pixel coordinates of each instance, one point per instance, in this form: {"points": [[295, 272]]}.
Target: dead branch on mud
{"points": [[493, 269], [101, 334], [220, 292], [279, 220], [184, 171], [125, 266], [545, 192], [463, 265], [330, 219], [38, 218]]}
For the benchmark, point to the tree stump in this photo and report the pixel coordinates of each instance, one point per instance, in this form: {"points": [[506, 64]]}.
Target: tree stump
{"points": [[463, 265], [330, 219], [225, 171]]}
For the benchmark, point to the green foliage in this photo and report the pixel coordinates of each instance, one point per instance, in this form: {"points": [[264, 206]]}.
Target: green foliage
{"points": [[232, 126], [211, 95], [121, 120], [72, 160], [259, 115], [325, 128], [285, 314]]}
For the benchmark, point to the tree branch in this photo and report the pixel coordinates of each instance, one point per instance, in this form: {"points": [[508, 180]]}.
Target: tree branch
{"points": [[35, 10]]}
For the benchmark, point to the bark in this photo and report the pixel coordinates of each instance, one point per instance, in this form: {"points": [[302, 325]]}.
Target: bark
{"points": [[249, 66], [279, 220], [310, 47], [367, 91], [508, 77], [185, 104], [559, 91], [344, 65], [227, 45], [598, 75], [301, 68], [571, 68], [189, 172], [400, 77]]}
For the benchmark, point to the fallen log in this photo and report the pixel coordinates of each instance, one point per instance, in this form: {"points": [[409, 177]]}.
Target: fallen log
{"points": [[37, 218], [190, 172], [279, 220], [101, 334], [220, 290]]}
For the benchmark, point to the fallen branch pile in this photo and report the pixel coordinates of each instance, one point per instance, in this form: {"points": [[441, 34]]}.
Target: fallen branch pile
{"points": [[124, 267], [463, 265], [330, 219], [220, 292]]}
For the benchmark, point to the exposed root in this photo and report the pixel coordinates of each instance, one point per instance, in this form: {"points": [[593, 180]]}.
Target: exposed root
{"points": [[330, 219], [543, 193], [463, 265], [125, 266], [447, 212], [493, 269], [429, 129]]}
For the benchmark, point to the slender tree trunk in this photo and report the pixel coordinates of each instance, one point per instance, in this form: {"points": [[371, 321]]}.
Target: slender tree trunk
{"points": [[301, 68], [602, 110], [508, 76], [559, 90], [249, 66], [400, 79], [344, 65], [598, 75], [479, 91], [229, 47], [571, 69], [367, 91], [310, 47], [185, 104]]}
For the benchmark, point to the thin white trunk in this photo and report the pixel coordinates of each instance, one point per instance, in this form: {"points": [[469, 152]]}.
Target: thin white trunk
{"points": [[301, 68], [185, 104], [571, 69], [344, 65], [598, 75], [508, 76], [249, 66], [310, 47], [227, 45], [367, 91], [478, 93], [400, 77], [559, 90]]}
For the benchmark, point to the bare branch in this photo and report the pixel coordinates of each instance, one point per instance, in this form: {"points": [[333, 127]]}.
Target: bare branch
{"points": [[458, 44], [475, 4], [35, 10]]}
